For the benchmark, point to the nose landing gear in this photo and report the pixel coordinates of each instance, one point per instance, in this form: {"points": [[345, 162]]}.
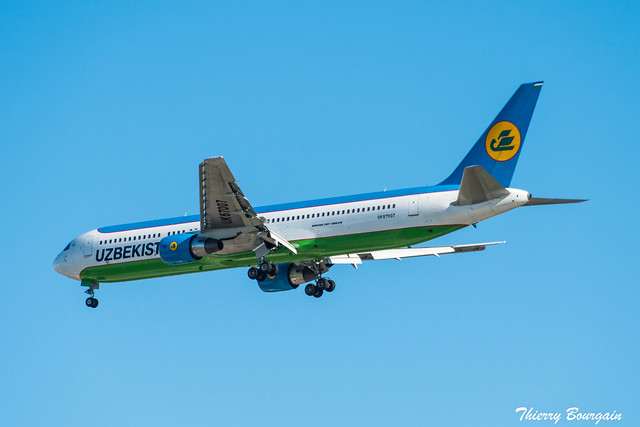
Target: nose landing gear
{"points": [[92, 301]]}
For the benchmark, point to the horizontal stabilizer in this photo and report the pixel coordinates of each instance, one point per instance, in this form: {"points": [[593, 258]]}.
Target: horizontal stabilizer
{"points": [[537, 201], [478, 186], [401, 253]]}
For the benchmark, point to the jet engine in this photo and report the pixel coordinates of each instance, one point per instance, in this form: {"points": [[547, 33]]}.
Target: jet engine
{"points": [[187, 247], [288, 277]]}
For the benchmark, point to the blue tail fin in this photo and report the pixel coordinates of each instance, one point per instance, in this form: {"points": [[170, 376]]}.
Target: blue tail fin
{"points": [[499, 147]]}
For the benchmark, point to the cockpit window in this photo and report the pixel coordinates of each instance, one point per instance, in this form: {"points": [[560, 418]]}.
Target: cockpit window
{"points": [[67, 247]]}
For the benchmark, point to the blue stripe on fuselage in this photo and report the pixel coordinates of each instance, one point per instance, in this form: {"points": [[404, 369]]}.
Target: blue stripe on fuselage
{"points": [[287, 206], [355, 198]]}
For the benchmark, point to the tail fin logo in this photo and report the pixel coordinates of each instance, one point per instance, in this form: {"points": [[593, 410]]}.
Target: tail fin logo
{"points": [[503, 141]]}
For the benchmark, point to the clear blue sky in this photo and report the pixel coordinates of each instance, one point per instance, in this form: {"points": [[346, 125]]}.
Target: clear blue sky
{"points": [[108, 107]]}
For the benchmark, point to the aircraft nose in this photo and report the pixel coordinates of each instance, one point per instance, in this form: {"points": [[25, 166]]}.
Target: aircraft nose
{"points": [[57, 264], [62, 265]]}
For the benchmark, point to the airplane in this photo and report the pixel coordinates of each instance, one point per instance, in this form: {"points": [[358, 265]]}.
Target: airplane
{"points": [[288, 245]]}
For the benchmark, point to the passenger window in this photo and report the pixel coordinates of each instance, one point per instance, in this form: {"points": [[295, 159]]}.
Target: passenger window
{"points": [[382, 207], [394, 206]]}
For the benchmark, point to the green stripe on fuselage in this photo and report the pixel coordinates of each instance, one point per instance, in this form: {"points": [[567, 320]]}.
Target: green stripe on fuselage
{"points": [[307, 250]]}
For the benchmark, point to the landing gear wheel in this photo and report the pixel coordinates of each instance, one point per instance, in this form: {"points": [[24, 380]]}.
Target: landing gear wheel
{"points": [[91, 301], [318, 292], [264, 266], [331, 287], [273, 269], [261, 276], [253, 273], [323, 283], [309, 289]]}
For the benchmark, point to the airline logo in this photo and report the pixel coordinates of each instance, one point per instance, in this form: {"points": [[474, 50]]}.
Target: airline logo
{"points": [[173, 246], [126, 252], [503, 141]]}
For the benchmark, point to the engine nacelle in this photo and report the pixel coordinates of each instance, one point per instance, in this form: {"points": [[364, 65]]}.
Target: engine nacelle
{"points": [[186, 248], [288, 277]]}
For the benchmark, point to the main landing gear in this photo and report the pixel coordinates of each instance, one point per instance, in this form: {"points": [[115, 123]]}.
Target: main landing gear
{"points": [[92, 301], [309, 270], [318, 289], [262, 271]]}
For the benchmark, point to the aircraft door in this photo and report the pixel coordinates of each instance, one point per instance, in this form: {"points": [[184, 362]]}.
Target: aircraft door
{"points": [[87, 246], [414, 205]]}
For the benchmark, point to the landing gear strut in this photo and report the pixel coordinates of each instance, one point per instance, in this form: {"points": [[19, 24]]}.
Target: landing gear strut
{"points": [[92, 301]]}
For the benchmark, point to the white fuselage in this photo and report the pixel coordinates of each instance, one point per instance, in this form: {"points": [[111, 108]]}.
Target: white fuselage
{"points": [[137, 242]]}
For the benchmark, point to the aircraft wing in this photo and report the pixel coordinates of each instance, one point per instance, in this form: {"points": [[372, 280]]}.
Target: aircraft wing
{"points": [[225, 213], [222, 203], [399, 254]]}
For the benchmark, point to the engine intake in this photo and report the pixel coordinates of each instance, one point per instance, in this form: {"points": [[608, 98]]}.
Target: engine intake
{"points": [[186, 248]]}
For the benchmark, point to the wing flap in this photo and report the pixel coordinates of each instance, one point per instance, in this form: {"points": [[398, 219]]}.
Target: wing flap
{"points": [[402, 253]]}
